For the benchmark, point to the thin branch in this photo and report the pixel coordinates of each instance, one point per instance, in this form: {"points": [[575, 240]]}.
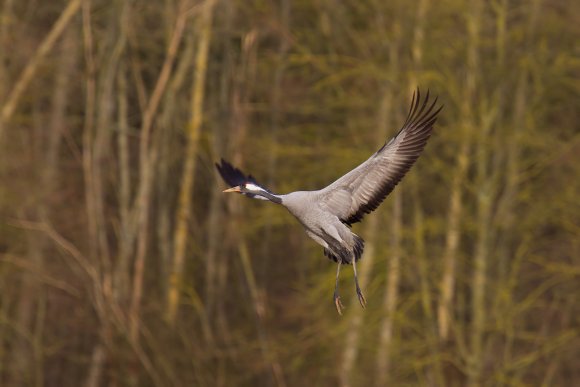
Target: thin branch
{"points": [[33, 64]]}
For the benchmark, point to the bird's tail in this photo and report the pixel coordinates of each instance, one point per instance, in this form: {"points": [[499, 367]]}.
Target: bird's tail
{"points": [[359, 246], [344, 255]]}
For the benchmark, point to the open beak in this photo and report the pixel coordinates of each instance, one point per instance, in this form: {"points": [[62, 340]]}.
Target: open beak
{"points": [[233, 189]]}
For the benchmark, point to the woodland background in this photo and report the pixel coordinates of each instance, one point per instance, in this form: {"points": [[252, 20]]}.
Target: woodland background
{"points": [[123, 264]]}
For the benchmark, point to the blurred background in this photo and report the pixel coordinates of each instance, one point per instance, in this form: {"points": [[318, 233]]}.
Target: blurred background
{"points": [[123, 264]]}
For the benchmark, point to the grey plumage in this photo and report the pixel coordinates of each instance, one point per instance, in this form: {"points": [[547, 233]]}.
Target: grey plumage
{"points": [[327, 214]]}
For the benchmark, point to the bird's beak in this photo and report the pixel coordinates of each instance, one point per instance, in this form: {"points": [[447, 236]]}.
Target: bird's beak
{"points": [[233, 189]]}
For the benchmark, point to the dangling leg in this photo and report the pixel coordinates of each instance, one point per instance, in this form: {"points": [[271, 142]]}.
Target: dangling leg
{"points": [[361, 297], [336, 296]]}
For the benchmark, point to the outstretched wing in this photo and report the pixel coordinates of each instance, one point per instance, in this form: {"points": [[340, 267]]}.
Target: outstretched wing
{"points": [[364, 188], [235, 177]]}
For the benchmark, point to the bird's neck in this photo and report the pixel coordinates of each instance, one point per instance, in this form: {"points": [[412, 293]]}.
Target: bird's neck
{"points": [[270, 196]]}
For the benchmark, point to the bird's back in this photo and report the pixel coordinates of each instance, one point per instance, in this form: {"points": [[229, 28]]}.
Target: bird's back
{"points": [[304, 205]]}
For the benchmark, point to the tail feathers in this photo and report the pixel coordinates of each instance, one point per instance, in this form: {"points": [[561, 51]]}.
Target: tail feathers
{"points": [[359, 246], [345, 255], [328, 253]]}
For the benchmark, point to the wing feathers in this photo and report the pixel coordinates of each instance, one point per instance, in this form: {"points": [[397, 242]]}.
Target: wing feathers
{"points": [[369, 183], [364, 188]]}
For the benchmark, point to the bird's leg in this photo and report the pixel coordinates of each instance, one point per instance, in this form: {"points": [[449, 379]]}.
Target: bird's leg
{"points": [[361, 297], [336, 296]]}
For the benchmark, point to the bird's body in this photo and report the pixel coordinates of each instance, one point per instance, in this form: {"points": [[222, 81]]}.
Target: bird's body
{"points": [[327, 214], [322, 225]]}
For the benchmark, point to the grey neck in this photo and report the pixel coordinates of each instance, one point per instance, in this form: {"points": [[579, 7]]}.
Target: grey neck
{"points": [[271, 197]]}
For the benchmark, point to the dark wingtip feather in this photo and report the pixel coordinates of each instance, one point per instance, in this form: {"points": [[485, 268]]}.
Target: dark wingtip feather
{"points": [[417, 128]]}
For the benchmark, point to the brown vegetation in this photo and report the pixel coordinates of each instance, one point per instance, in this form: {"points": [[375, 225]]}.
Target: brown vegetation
{"points": [[122, 264]]}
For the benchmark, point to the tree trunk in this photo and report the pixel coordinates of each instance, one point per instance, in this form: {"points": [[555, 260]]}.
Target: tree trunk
{"points": [[507, 202], [216, 284], [28, 355], [276, 117], [241, 95], [184, 206], [87, 154], [101, 104], [168, 140], [484, 201], [148, 154], [384, 120], [268, 352], [393, 270], [391, 294], [356, 315], [433, 373], [474, 360], [444, 310], [122, 273]]}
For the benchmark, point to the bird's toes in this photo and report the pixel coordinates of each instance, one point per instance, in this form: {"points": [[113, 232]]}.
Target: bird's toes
{"points": [[361, 298], [338, 304]]}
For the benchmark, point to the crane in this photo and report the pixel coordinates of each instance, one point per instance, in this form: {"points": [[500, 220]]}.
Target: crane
{"points": [[327, 214]]}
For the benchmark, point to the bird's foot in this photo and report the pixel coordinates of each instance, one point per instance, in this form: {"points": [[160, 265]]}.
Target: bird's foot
{"points": [[338, 304], [361, 298]]}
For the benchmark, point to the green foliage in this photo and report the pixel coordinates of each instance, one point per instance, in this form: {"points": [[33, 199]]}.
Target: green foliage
{"points": [[293, 95]]}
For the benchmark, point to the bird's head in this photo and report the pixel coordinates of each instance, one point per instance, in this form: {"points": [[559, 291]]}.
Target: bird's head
{"points": [[244, 184], [248, 188]]}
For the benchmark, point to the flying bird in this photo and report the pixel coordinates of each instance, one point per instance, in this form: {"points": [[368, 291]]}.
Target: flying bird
{"points": [[327, 214]]}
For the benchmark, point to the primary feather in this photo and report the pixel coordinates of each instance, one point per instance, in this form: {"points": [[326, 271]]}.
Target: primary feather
{"points": [[363, 189]]}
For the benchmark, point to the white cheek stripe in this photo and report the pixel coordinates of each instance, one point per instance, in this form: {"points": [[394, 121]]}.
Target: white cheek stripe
{"points": [[253, 187]]}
